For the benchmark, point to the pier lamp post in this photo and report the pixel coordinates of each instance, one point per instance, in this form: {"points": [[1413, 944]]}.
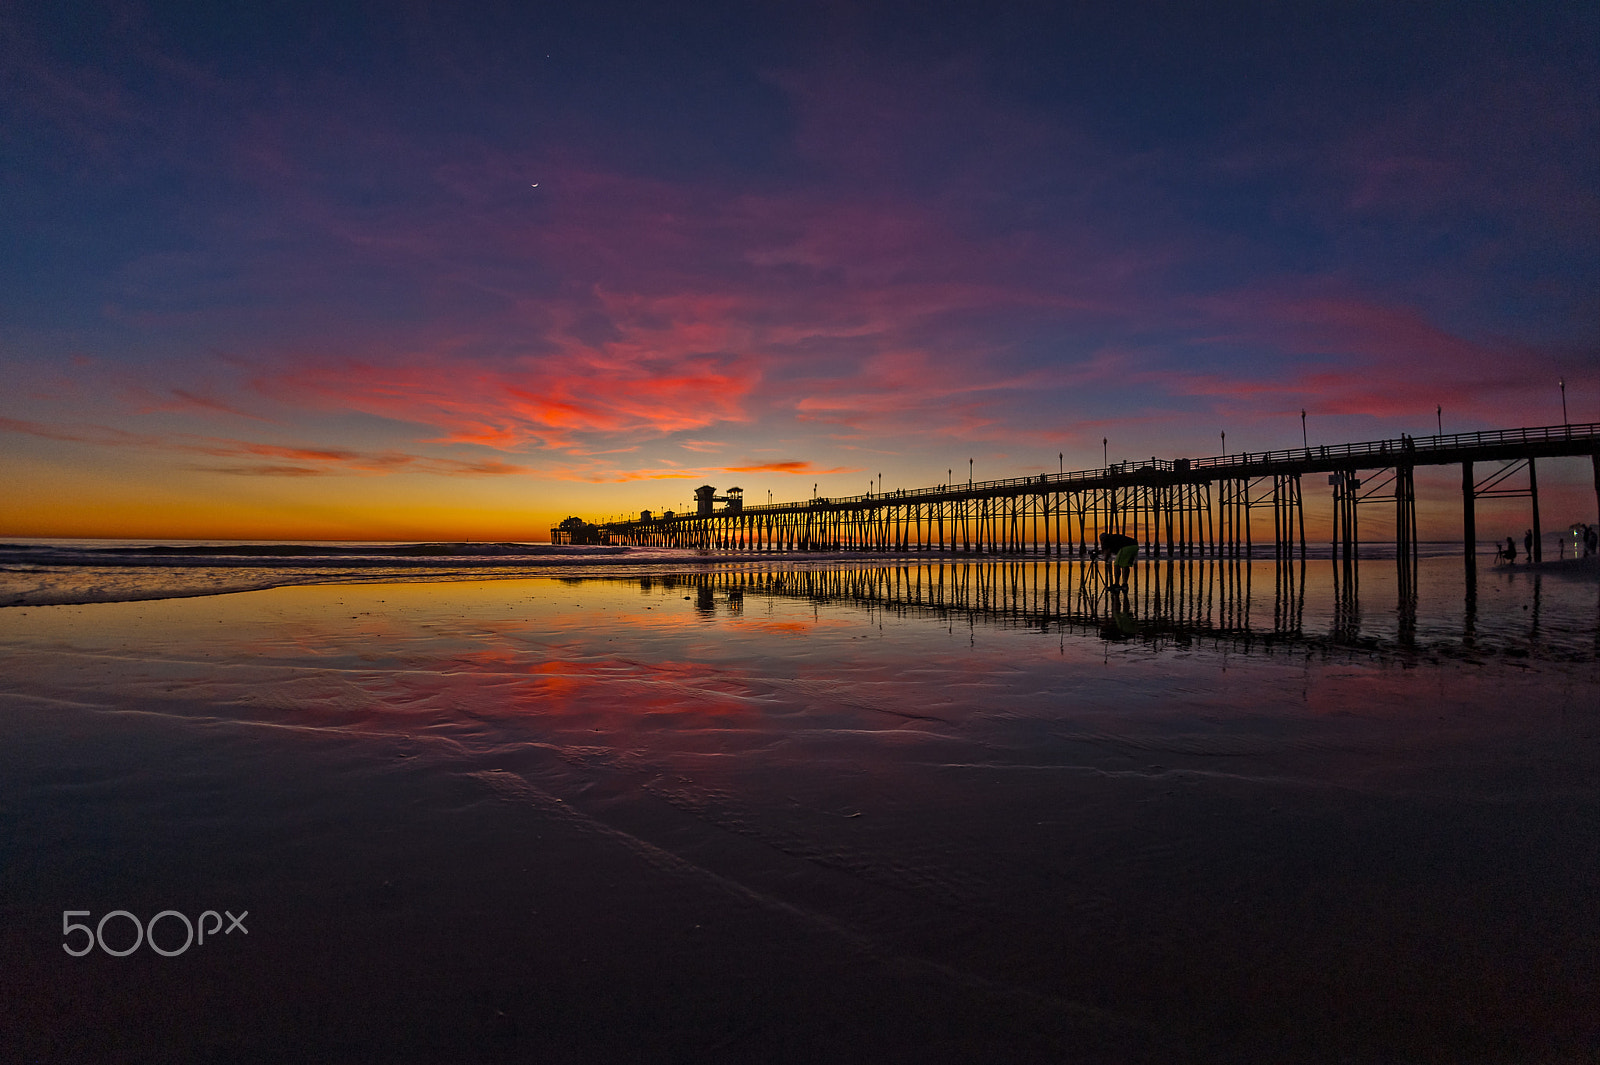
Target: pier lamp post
{"points": [[1563, 383], [1304, 442], [1061, 463], [1438, 413], [1224, 442], [969, 473], [1105, 453]]}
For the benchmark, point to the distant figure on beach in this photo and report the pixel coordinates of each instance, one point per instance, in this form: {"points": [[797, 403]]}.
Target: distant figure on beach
{"points": [[1591, 540], [1527, 544], [1509, 552]]}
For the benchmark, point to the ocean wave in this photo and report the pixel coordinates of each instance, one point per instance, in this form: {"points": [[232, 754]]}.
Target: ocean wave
{"points": [[295, 553], [54, 574]]}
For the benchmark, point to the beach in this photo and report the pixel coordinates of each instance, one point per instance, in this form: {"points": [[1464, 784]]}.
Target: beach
{"points": [[870, 810]]}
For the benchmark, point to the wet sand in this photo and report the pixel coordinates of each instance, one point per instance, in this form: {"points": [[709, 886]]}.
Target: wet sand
{"points": [[694, 820]]}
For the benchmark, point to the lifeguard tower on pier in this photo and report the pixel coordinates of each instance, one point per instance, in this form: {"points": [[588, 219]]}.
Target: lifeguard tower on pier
{"points": [[706, 497]]}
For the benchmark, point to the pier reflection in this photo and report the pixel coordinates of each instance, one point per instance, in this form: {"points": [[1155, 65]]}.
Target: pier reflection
{"points": [[1242, 604]]}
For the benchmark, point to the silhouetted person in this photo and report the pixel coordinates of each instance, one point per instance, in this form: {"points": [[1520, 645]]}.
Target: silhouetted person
{"points": [[1527, 544], [1122, 563], [1591, 540], [1510, 551]]}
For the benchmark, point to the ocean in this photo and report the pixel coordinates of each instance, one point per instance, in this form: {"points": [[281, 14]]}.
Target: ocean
{"points": [[489, 803]]}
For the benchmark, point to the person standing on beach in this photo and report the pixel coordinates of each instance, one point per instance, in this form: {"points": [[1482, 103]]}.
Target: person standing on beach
{"points": [[1510, 552], [1527, 544]]}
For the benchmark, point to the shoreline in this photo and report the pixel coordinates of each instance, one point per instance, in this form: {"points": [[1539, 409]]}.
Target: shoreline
{"points": [[155, 578]]}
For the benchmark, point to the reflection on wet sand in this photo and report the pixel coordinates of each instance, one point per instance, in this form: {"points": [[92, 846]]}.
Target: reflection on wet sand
{"points": [[1236, 602]]}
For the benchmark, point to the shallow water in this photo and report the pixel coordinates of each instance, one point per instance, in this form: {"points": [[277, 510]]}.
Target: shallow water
{"points": [[877, 811]]}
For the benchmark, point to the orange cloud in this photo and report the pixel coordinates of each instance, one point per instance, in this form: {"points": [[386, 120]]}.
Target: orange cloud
{"points": [[303, 461], [788, 466], [263, 471], [700, 473]]}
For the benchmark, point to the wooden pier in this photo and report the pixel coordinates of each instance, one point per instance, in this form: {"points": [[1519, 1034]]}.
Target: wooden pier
{"points": [[1175, 508]]}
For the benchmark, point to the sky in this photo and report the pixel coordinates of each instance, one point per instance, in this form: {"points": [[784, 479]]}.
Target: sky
{"points": [[423, 272]]}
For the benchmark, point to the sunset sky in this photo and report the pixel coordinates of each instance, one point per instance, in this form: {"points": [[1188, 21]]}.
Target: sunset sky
{"points": [[398, 272]]}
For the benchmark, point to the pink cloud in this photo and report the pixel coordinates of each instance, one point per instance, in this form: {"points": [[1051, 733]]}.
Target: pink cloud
{"points": [[685, 307], [1348, 355], [548, 402]]}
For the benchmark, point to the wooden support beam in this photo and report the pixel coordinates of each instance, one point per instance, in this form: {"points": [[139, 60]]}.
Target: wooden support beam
{"points": [[1533, 490], [1594, 460]]}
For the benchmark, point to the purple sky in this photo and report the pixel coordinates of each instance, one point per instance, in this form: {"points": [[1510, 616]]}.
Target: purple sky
{"points": [[403, 272]]}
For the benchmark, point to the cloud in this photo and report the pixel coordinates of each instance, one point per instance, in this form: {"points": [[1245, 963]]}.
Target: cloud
{"points": [[890, 284], [184, 400], [93, 434], [303, 461], [795, 466], [553, 402], [681, 306], [1341, 353], [702, 473], [262, 471], [910, 389]]}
